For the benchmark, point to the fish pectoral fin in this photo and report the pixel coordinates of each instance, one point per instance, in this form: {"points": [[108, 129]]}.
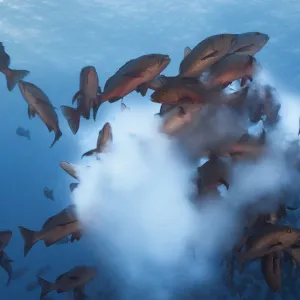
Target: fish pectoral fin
{"points": [[187, 51], [142, 88], [134, 74], [76, 96], [31, 112], [291, 208]]}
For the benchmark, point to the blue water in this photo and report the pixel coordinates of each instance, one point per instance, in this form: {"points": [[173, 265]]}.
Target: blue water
{"points": [[54, 40]]}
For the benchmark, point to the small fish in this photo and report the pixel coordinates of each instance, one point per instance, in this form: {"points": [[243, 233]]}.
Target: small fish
{"points": [[18, 273], [134, 75], [48, 193], [249, 43], [71, 169], [55, 228], [104, 138], [23, 132], [124, 107], [74, 278], [5, 263], [32, 286], [5, 237], [39, 103], [12, 76], [73, 186], [271, 106], [89, 90], [206, 53], [43, 270], [231, 68], [271, 269]]}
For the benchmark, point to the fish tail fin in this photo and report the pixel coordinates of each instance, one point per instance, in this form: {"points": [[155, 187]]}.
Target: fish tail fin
{"points": [[72, 116], [46, 286], [58, 134], [89, 153], [30, 238], [13, 77]]}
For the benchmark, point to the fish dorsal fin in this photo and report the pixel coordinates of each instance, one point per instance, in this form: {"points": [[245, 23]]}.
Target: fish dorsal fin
{"points": [[187, 51]]}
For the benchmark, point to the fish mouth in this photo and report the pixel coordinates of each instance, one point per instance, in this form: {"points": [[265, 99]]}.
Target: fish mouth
{"points": [[165, 60]]}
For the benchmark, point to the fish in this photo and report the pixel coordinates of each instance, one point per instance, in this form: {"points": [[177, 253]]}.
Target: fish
{"points": [[5, 237], [12, 76], [180, 92], [5, 263], [271, 269], [55, 228], [71, 169], [73, 186], [274, 238], [43, 270], [23, 132], [39, 103], [75, 278], [205, 54], [104, 138], [231, 68], [124, 107], [17, 274], [32, 286], [89, 90], [134, 75], [48, 193], [213, 173], [249, 43]]}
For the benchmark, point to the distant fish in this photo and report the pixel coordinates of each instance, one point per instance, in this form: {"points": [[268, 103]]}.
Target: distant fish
{"points": [[56, 227], [5, 263], [73, 186], [5, 237], [124, 107], [48, 193], [43, 270], [23, 132], [19, 273], [39, 103], [104, 138], [89, 89], [249, 43], [12, 76], [75, 278], [206, 53], [71, 169]]}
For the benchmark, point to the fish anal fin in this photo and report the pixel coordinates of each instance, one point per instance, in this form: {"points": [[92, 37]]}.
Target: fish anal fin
{"points": [[76, 96], [142, 88]]}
